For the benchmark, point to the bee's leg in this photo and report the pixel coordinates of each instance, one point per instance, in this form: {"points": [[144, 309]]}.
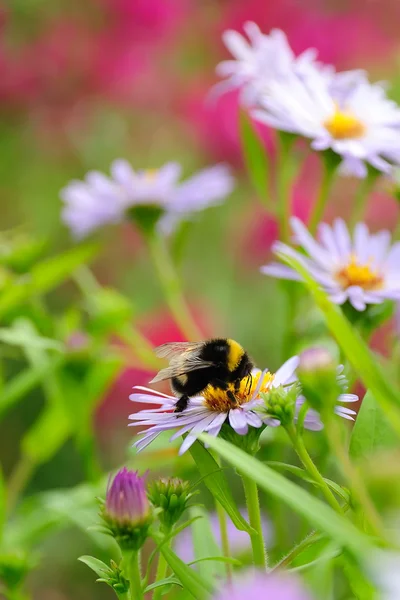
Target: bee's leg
{"points": [[249, 382], [220, 384], [181, 404], [231, 396]]}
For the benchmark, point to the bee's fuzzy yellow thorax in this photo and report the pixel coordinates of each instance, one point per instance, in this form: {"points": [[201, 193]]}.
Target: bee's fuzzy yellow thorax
{"points": [[235, 354], [223, 400]]}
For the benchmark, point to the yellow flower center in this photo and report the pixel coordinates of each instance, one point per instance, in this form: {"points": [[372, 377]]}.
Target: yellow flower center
{"points": [[342, 125], [150, 174], [361, 275], [234, 396]]}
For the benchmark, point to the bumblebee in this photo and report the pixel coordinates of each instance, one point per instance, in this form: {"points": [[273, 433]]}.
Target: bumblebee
{"points": [[195, 365]]}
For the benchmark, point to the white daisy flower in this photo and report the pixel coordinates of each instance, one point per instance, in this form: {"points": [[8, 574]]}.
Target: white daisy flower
{"points": [[100, 200], [258, 61], [209, 411], [363, 270], [342, 112]]}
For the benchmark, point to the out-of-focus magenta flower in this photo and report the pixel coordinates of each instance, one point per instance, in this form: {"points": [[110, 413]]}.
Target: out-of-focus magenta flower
{"points": [[146, 19], [261, 585], [310, 27], [216, 123]]}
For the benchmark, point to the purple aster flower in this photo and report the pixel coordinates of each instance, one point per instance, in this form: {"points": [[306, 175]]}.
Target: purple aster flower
{"points": [[363, 270], [259, 585], [208, 411], [127, 511], [126, 499], [100, 200]]}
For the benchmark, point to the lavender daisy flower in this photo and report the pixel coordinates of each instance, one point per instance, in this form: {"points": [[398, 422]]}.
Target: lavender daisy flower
{"points": [[358, 122], [101, 200], [257, 63], [363, 270], [209, 411], [258, 585]]}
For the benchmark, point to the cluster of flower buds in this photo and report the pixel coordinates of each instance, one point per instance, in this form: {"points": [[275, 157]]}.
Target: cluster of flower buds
{"points": [[280, 404], [128, 510], [318, 376], [172, 496]]}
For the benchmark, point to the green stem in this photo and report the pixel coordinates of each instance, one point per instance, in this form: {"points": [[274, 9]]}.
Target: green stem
{"points": [[139, 344], [18, 480], [318, 210], [162, 568], [355, 481], [171, 287], [301, 450], [223, 527], [253, 508], [310, 539], [135, 578], [285, 172], [361, 197]]}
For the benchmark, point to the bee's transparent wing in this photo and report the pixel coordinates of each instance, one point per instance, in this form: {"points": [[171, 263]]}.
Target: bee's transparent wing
{"points": [[180, 366], [173, 349]]}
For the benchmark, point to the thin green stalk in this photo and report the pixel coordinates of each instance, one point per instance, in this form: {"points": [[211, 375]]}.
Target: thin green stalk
{"points": [[135, 578], [18, 480], [355, 482], [361, 198], [223, 527], [253, 509], [328, 176], [310, 539], [123, 596], [161, 573], [140, 345], [301, 450], [285, 173], [171, 287]]}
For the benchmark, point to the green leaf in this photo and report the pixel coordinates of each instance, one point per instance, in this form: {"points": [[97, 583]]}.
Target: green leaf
{"points": [[100, 568], [353, 346], [315, 511], [45, 276], [47, 435], [255, 157], [215, 481], [299, 472], [23, 383], [161, 582], [199, 587], [371, 431], [204, 544], [224, 559], [14, 336]]}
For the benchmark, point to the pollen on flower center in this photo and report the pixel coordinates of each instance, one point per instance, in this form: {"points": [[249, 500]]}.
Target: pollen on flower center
{"points": [[223, 400], [343, 125], [361, 275], [150, 174]]}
